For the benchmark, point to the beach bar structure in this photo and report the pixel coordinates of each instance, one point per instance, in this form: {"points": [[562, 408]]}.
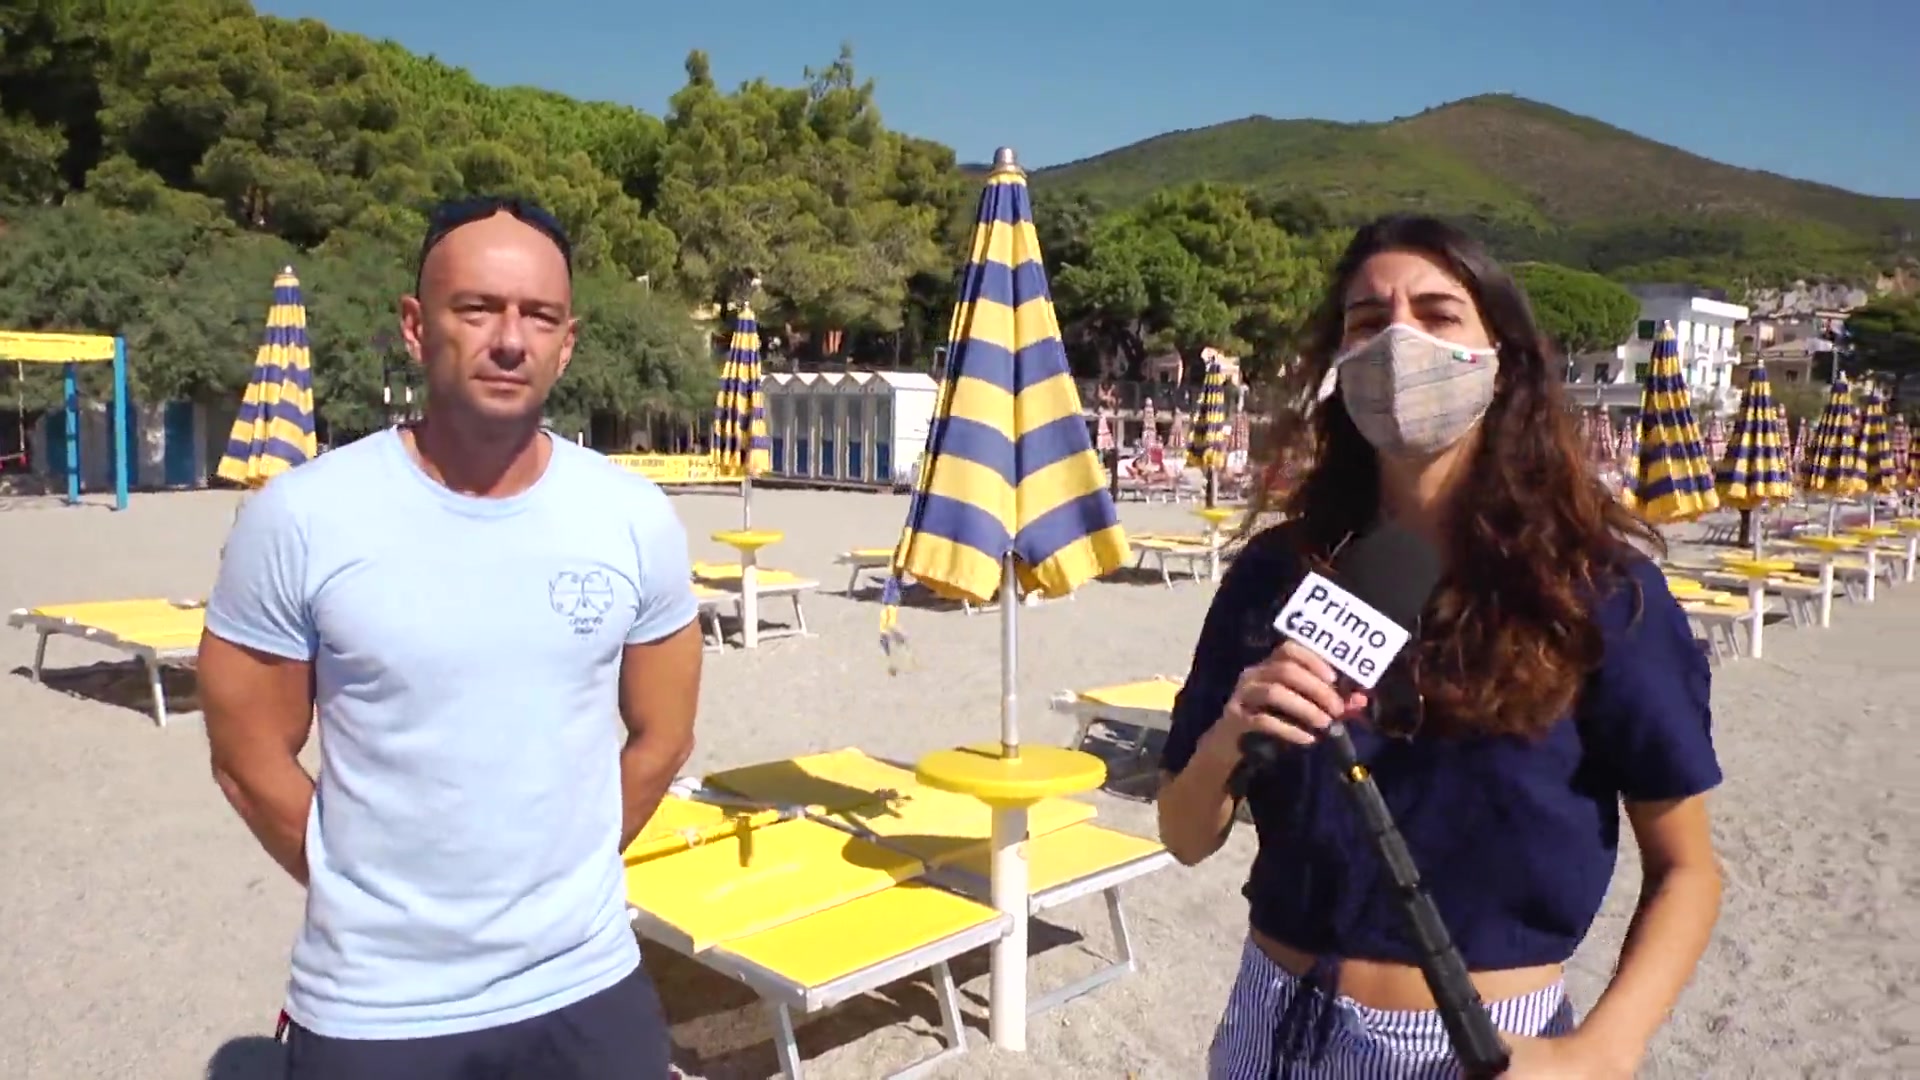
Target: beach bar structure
{"points": [[69, 351], [864, 428]]}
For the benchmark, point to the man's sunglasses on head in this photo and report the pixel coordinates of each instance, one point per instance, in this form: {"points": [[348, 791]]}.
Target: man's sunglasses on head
{"points": [[451, 215]]}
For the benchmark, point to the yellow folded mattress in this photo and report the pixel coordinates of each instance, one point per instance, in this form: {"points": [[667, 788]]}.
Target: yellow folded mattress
{"points": [[889, 803], [1151, 695], [1068, 855], [861, 934], [161, 625], [729, 574], [683, 823], [759, 879]]}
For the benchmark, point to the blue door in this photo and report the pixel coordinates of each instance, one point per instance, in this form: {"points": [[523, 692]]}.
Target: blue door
{"points": [[53, 427], [177, 452]]}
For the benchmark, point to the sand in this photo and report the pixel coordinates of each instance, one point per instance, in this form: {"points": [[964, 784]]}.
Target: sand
{"points": [[142, 934]]}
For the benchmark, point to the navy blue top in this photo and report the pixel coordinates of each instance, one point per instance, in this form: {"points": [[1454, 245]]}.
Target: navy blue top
{"points": [[1515, 837]]}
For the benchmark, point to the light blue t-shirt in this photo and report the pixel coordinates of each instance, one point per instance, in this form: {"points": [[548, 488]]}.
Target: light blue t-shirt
{"points": [[463, 860]]}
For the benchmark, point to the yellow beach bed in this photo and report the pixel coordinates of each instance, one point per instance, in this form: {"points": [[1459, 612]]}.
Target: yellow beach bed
{"points": [[154, 632]]}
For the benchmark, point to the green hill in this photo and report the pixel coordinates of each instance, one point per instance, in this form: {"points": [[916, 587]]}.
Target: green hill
{"points": [[1543, 182]]}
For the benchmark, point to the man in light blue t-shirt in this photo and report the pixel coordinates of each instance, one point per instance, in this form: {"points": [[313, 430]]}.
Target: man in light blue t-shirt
{"points": [[471, 608]]}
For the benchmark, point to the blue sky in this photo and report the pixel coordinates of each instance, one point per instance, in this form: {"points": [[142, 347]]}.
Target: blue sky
{"points": [[1766, 84]]}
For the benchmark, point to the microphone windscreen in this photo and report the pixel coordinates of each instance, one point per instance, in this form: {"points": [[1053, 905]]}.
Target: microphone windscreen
{"points": [[1391, 568]]}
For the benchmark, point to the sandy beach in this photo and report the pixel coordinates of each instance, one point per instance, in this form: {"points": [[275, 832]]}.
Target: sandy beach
{"points": [[143, 935]]}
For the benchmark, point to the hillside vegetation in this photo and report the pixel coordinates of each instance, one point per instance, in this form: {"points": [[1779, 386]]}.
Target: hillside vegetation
{"points": [[1542, 182]]}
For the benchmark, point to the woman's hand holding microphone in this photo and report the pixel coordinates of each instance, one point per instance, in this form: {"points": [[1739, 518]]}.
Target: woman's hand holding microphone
{"points": [[1292, 695]]}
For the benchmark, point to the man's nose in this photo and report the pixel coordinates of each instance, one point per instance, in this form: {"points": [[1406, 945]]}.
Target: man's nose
{"points": [[1403, 310], [509, 348]]}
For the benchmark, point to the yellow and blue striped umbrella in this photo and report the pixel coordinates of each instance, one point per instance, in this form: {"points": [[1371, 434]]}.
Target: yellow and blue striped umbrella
{"points": [[1672, 477], [1876, 451], [1208, 449], [274, 431], [1754, 471], [1832, 467], [740, 442], [1010, 476]]}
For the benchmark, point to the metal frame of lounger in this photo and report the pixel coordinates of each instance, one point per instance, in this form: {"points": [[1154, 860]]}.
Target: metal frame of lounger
{"points": [[1106, 883], [1165, 552], [792, 588], [712, 638], [1087, 712], [151, 658], [1720, 623], [858, 564]]}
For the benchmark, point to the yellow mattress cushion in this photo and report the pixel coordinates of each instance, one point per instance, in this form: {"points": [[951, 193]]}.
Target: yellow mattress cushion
{"points": [[1066, 856], [887, 801], [758, 879], [1151, 695], [681, 823], [861, 934]]}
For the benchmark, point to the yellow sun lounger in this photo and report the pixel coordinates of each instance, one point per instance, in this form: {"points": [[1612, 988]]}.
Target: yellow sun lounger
{"points": [[1165, 553], [725, 578], [152, 631], [805, 915], [1145, 705], [864, 560], [1069, 857]]}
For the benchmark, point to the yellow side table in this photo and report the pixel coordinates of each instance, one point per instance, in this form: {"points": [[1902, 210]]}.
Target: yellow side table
{"points": [[1010, 780], [1828, 547], [1911, 528], [1871, 535], [1756, 571], [748, 543], [1216, 518]]}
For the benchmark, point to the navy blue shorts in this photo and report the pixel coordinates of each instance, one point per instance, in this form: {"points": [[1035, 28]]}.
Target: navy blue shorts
{"points": [[617, 1034]]}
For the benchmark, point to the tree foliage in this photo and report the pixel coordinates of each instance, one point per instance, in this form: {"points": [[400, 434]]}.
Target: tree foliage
{"points": [[160, 160], [1580, 312], [1884, 337]]}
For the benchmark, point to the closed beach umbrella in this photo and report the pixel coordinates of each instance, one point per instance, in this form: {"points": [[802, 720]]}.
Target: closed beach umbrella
{"points": [[1672, 476], [1876, 448], [274, 431], [1753, 473], [740, 442], [1832, 466], [1208, 451], [1012, 498]]}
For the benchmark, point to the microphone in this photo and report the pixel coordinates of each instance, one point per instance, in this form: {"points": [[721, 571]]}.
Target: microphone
{"points": [[1358, 620]]}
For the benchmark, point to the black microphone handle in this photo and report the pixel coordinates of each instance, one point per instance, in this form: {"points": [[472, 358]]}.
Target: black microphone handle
{"points": [[1476, 1042]]}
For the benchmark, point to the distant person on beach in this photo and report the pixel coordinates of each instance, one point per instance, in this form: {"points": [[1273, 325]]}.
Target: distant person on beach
{"points": [[475, 607], [1552, 679]]}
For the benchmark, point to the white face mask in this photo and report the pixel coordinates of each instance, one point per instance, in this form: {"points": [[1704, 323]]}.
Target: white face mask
{"points": [[1412, 394]]}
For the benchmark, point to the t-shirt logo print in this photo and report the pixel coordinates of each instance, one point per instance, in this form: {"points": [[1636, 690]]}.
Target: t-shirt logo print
{"points": [[583, 599]]}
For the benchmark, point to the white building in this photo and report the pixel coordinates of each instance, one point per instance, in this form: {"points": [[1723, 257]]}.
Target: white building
{"points": [[1709, 349]]}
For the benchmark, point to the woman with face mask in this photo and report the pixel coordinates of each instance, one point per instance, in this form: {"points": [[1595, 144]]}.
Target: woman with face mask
{"points": [[1552, 681]]}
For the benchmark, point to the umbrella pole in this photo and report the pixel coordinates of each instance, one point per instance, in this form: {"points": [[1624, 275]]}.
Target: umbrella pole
{"points": [[1873, 545], [1213, 486], [1007, 991], [746, 501]]}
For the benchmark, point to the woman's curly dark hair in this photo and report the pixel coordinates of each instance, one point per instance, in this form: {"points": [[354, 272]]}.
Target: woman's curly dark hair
{"points": [[1508, 638]]}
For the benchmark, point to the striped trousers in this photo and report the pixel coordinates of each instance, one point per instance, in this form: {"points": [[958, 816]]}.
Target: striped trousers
{"points": [[1362, 1043]]}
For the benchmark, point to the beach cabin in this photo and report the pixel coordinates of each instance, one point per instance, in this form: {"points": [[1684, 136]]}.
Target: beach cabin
{"points": [[865, 427], [856, 416], [901, 414], [173, 444]]}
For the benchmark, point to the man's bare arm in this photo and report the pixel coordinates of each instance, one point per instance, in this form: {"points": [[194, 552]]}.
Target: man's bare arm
{"points": [[659, 694], [259, 711]]}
